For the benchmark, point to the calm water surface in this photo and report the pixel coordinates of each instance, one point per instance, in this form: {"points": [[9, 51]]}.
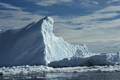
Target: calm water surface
{"points": [[66, 76]]}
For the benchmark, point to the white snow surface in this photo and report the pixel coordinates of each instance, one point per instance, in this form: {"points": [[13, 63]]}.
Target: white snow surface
{"points": [[35, 44], [25, 70]]}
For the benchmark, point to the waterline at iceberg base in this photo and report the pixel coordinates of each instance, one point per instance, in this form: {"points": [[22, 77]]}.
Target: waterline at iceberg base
{"points": [[35, 44], [28, 70]]}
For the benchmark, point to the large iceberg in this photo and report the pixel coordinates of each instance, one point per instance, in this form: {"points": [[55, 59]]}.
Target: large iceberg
{"points": [[36, 44]]}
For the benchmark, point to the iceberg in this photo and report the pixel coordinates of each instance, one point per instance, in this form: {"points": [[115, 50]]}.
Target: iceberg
{"points": [[100, 59], [35, 44]]}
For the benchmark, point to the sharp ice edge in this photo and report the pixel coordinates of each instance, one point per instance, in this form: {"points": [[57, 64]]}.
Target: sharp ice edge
{"points": [[25, 70]]}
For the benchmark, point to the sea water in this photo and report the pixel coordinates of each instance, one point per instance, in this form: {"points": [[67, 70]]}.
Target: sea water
{"points": [[65, 76]]}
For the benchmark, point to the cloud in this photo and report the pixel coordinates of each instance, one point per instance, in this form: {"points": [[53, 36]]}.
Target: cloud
{"points": [[94, 19], [88, 3], [99, 29], [8, 6], [12, 19], [49, 2], [95, 2], [110, 9], [92, 29], [112, 1], [104, 47]]}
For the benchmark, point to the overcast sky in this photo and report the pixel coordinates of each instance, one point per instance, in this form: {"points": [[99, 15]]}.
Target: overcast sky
{"points": [[95, 23]]}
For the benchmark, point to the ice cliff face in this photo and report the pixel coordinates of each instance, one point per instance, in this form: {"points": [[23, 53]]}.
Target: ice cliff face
{"points": [[36, 44]]}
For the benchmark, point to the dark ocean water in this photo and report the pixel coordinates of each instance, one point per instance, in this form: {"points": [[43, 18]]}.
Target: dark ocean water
{"points": [[66, 76]]}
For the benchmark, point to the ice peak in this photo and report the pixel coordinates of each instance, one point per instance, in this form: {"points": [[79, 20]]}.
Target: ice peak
{"points": [[47, 25], [49, 20]]}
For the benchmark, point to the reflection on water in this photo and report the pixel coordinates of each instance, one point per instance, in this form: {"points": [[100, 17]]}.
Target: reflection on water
{"points": [[66, 76]]}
